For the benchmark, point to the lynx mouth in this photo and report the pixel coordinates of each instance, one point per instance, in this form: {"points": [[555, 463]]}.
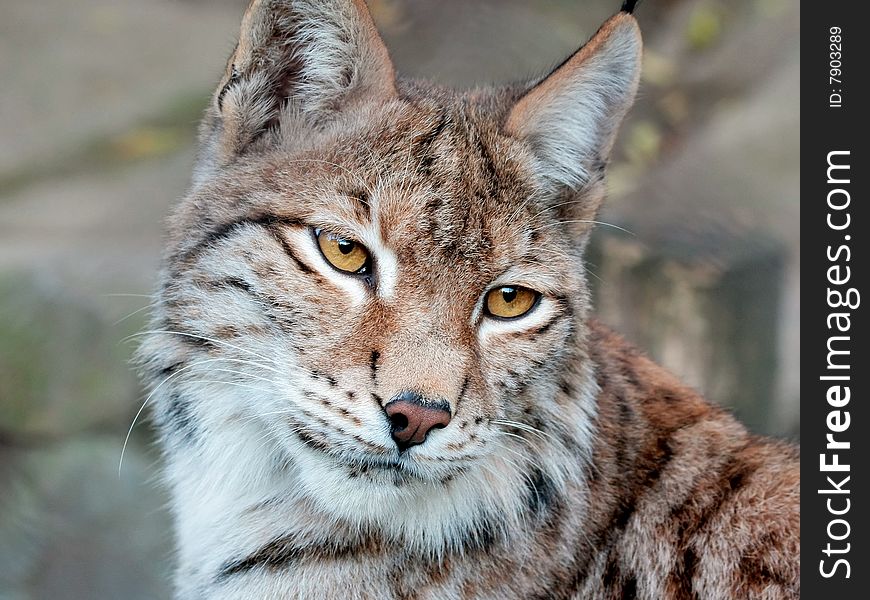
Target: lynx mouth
{"points": [[367, 462], [384, 471], [376, 464]]}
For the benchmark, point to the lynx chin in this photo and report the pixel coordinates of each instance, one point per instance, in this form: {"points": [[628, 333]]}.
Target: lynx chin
{"points": [[372, 363]]}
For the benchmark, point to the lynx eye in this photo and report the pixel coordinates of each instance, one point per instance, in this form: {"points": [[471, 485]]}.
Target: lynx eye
{"points": [[510, 302], [343, 254]]}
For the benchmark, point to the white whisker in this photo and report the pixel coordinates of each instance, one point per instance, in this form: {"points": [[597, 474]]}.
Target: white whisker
{"points": [[132, 314], [524, 427], [233, 383], [148, 399], [524, 457], [202, 337], [591, 222], [128, 295]]}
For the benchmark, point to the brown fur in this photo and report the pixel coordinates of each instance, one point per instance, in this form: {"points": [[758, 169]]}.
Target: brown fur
{"points": [[573, 467]]}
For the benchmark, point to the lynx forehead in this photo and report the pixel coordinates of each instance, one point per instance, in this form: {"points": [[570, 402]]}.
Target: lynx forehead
{"points": [[372, 364]]}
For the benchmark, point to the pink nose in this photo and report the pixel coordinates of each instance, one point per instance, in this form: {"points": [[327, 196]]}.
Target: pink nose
{"points": [[412, 417]]}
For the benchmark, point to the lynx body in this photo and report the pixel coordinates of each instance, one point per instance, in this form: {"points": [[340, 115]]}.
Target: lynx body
{"points": [[373, 367]]}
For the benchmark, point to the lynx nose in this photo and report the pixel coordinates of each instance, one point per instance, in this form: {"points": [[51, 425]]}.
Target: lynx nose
{"points": [[412, 417]]}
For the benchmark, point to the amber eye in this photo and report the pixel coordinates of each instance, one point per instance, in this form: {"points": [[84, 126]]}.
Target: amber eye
{"points": [[510, 302], [343, 254]]}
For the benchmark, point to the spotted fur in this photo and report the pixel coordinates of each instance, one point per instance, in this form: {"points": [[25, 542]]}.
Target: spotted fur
{"points": [[572, 466]]}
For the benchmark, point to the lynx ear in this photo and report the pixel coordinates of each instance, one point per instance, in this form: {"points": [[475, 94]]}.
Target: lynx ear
{"points": [[571, 116], [317, 55]]}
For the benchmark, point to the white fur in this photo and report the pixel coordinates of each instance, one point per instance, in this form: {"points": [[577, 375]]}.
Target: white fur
{"points": [[490, 328], [387, 266], [234, 469], [574, 125]]}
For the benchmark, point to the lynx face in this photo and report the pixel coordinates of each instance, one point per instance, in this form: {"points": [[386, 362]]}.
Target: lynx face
{"points": [[374, 296], [339, 285]]}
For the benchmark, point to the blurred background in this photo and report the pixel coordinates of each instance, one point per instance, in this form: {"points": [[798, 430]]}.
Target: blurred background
{"points": [[99, 102]]}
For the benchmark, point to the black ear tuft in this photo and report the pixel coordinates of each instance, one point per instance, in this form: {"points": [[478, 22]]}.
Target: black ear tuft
{"points": [[628, 6]]}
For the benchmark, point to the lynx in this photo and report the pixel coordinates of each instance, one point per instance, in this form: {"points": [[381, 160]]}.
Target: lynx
{"points": [[372, 364]]}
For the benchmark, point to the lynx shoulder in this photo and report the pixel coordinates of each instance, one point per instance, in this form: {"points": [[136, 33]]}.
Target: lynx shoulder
{"points": [[372, 364]]}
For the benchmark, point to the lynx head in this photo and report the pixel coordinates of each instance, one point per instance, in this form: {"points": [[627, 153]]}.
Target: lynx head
{"points": [[374, 295]]}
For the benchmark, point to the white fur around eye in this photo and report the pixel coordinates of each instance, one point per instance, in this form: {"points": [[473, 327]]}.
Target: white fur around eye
{"points": [[384, 261], [539, 315], [355, 287], [386, 265]]}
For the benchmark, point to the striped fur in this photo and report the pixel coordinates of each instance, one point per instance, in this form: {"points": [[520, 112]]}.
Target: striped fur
{"points": [[572, 468]]}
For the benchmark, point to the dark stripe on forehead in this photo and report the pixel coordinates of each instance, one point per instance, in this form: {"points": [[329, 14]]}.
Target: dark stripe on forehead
{"points": [[362, 203], [426, 141], [424, 152], [489, 168]]}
